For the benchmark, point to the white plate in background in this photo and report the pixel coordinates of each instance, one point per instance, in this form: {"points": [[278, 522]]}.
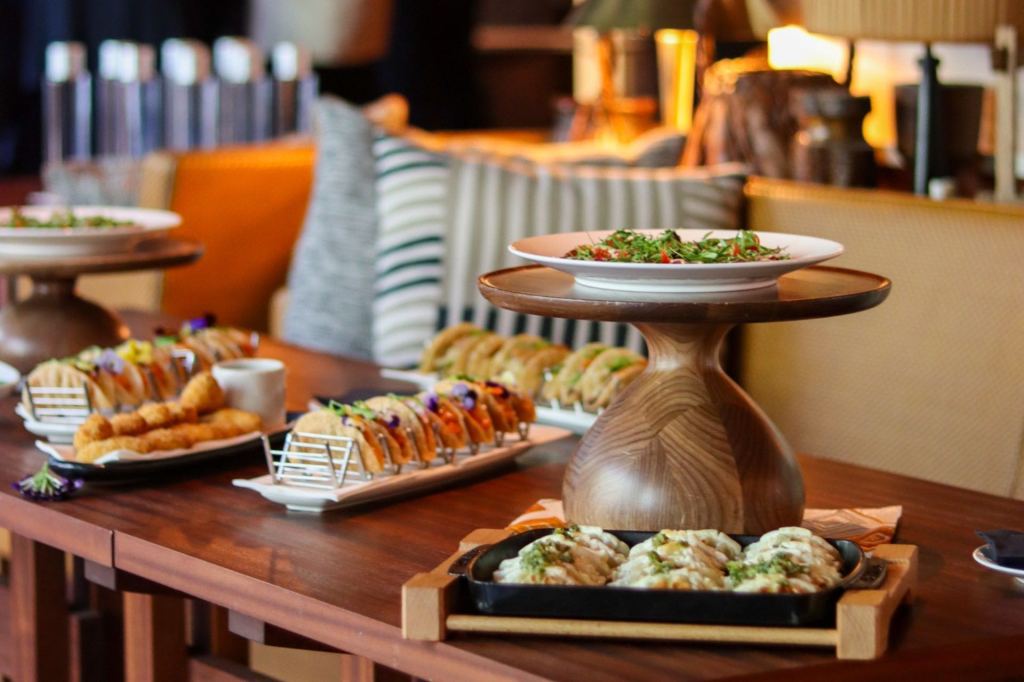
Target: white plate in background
{"points": [[62, 242]]}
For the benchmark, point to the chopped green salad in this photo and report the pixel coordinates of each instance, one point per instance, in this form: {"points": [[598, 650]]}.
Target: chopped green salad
{"points": [[629, 246], [65, 218]]}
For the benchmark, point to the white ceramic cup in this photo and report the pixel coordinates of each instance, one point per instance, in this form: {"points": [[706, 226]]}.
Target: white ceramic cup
{"points": [[254, 385]]}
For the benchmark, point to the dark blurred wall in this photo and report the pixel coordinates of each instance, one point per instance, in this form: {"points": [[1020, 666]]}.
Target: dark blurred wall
{"points": [[27, 26]]}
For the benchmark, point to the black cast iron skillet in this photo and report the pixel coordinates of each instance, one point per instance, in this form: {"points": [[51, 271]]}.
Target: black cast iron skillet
{"points": [[630, 603]]}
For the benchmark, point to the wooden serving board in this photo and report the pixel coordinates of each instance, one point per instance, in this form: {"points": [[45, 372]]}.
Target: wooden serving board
{"points": [[432, 608]]}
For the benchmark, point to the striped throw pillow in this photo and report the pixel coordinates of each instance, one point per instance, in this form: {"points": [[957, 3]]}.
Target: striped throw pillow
{"points": [[412, 186]]}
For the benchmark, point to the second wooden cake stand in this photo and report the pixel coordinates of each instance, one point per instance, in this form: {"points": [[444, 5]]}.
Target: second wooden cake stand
{"points": [[684, 446], [54, 322]]}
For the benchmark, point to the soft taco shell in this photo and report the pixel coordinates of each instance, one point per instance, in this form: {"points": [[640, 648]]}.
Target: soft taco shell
{"points": [[619, 380], [466, 345], [328, 423], [506, 360], [62, 374], [594, 380], [478, 363], [436, 349], [564, 385], [409, 421], [530, 377]]}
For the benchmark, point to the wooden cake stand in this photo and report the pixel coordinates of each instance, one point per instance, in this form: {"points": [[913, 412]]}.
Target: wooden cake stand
{"points": [[54, 321], [684, 446]]}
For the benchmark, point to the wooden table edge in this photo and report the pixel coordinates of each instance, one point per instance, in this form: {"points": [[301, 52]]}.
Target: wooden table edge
{"points": [[43, 522], [332, 625]]}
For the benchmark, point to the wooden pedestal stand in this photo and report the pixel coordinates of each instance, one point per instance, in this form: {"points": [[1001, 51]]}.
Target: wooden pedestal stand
{"points": [[683, 446], [432, 607], [54, 321]]}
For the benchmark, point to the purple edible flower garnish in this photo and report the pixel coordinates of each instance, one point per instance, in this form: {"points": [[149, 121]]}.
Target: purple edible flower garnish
{"points": [[393, 421], [469, 400], [459, 390], [494, 384], [46, 486], [433, 402], [195, 324], [110, 361]]}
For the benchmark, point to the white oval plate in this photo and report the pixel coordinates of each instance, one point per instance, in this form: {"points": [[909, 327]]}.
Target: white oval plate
{"points": [[982, 558], [61, 242], [687, 278]]}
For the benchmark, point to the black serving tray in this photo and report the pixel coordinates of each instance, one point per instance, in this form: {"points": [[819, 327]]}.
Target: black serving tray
{"points": [[638, 604], [122, 473]]}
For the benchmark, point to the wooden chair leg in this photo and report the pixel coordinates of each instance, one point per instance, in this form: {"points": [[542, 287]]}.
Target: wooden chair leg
{"points": [[154, 638], [38, 612]]}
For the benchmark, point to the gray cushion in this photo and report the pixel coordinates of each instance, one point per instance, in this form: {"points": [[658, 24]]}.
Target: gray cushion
{"points": [[332, 270]]}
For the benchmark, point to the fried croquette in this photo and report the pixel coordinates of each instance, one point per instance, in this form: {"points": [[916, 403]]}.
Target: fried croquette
{"points": [[95, 427], [167, 439], [93, 451], [203, 393], [128, 424], [157, 415], [199, 433], [183, 414], [239, 419]]}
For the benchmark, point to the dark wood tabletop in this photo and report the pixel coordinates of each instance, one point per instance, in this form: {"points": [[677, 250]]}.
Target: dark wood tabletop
{"points": [[336, 578], [820, 291]]}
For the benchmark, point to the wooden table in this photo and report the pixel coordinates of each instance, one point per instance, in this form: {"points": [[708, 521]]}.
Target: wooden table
{"points": [[336, 578]]}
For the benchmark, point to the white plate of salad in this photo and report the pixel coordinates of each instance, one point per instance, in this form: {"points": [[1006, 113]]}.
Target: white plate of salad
{"points": [[58, 232], [676, 261]]}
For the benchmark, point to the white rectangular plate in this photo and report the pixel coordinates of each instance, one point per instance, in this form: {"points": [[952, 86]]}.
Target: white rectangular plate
{"points": [[410, 480]]}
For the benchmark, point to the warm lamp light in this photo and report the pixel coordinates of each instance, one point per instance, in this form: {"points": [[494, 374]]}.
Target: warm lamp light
{"points": [[677, 64], [792, 47]]}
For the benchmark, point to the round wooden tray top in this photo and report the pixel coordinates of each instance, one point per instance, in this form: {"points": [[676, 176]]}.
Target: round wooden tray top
{"points": [[812, 292], [683, 446], [149, 254]]}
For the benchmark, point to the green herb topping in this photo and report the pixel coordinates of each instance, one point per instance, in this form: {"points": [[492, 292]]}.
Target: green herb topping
{"points": [[629, 246]]}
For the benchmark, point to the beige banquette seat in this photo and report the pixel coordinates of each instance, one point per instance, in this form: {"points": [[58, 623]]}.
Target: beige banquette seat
{"points": [[930, 383]]}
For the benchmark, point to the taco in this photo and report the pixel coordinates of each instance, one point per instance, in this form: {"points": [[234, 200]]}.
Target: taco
{"points": [[609, 373], [409, 423], [564, 386], [467, 399], [453, 431], [69, 373], [529, 377], [440, 344], [478, 361], [328, 422]]}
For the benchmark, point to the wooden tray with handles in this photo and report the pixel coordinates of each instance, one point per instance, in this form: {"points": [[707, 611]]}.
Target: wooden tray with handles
{"points": [[432, 607]]}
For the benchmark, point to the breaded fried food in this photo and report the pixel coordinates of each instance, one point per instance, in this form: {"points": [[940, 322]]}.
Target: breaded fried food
{"points": [[93, 451], [128, 424], [202, 393], [166, 439], [200, 433], [183, 414], [156, 415], [95, 427], [240, 420]]}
